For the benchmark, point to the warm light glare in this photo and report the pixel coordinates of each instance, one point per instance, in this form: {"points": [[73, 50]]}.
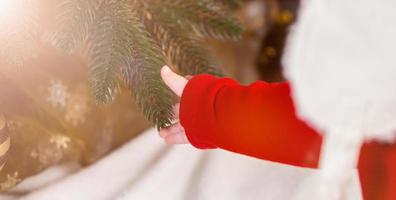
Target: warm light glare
{"points": [[8, 9]]}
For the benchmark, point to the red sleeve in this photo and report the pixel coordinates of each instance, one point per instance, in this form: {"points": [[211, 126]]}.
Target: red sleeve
{"points": [[257, 120]]}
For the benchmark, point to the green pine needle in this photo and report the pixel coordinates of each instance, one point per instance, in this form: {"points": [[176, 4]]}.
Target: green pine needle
{"points": [[74, 20], [142, 75], [184, 51], [110, 47], [205, 18]]}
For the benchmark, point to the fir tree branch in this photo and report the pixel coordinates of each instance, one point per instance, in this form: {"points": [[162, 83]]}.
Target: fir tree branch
{"points": [[206, 19], [152, 96], [74, 20], [120, 39], [183, 50], [110, 46], [142, 75]]}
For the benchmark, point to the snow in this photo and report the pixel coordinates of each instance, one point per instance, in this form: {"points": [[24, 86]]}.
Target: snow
{"points": [[146, 168]]}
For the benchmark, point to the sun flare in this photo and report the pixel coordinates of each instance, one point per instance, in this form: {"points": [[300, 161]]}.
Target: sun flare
{"points": [[8, 9]]}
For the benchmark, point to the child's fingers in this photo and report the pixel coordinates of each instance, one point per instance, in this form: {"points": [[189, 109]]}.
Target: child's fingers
{"points": [[174, 129], [174, 81], [178, 138], [176, 109], [165, 132]]}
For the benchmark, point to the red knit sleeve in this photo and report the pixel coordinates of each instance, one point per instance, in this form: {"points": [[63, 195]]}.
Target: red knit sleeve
{"points": [[257, 120]]}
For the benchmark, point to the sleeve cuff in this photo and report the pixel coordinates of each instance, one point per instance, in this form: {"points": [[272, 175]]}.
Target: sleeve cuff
{"points": [[197, 110]]}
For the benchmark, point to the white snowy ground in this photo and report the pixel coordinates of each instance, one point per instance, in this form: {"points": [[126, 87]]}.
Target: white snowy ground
{"points": [[146, 168]]}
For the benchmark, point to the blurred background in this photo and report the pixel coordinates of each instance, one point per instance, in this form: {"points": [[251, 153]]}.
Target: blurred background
{"points": [[257, 56]]}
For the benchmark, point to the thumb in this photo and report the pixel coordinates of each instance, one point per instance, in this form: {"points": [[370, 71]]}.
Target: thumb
{"points": [[174, 81]]}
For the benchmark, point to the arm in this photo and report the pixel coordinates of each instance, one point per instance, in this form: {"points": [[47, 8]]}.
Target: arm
{"points": [[256, 120], [259, 120]]}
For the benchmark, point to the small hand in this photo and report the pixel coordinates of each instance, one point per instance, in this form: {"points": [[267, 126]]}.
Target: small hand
{"points": [[175, 133]]}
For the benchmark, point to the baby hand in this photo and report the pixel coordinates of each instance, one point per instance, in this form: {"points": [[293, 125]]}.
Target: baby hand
{"points": [[174, 134]]}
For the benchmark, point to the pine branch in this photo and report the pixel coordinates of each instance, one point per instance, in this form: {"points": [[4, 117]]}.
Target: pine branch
{"points": [[206, 19], [183, 50], [142, 75], [110, 46], [120, 39], [74, 21], [152, 96]]}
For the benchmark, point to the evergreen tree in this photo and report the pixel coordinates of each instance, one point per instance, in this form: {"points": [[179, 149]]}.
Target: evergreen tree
{"points": [[128, 41]]}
